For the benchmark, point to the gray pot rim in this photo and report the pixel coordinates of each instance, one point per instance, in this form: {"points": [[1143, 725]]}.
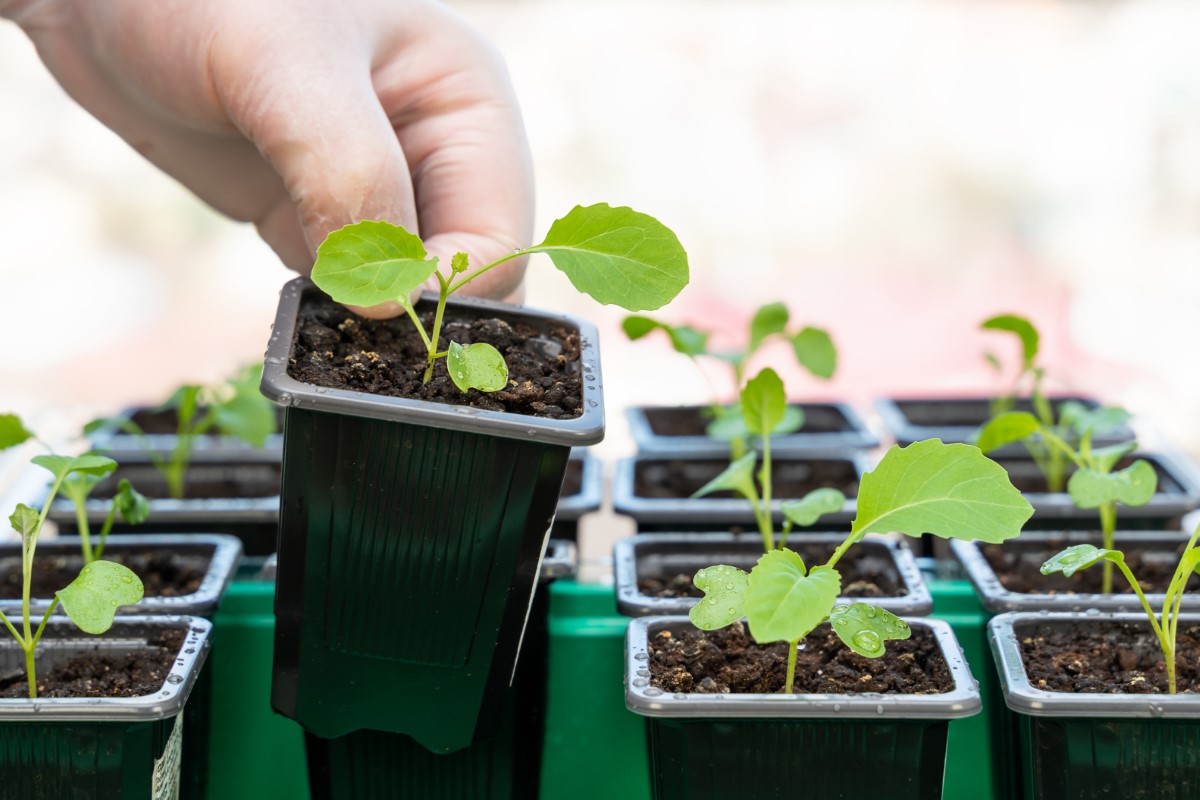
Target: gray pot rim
{"points": [[997, 599], [167, 702], [591, 490], [558, 562], [123, 447], [588, 428], [1021, 697], [632, 603], [648, 701]]}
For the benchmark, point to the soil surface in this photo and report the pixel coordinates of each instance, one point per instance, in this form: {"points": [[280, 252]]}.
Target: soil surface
{"points": [[694, 421], [95, 675], [163, 573], [1026, 476], [573, 480], [166, 421], [1017, 568], [961, 411], [1107, 658], [679, 479], [204, 481], [728, 660], [340, 350]]}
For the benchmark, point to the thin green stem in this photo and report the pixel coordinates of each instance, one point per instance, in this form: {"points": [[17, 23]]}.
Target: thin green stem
{"points": [[1158, 631], [841, 550], [443, 292], [791, 668], [1108, 524], [1166, 640], [783, 535], [104, 531], [412, 314], [31, 672], [81, 522], [467, 279], [1052, 438], [45, 618], [15, 634], [767, 523]]}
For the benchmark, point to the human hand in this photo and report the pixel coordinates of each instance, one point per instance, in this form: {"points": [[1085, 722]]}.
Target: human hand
{"points": [[302, 116]]}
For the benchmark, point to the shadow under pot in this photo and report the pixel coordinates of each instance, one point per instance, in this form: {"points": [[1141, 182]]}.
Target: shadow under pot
{"points": [[676, 430], [654, 571], [855, 728], [160, 425], [411, 530], [657, 492], [1088, 710], [582, 493]]}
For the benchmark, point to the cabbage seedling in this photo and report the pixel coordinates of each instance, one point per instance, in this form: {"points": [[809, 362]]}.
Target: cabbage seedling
{"points": [[949, 490], [615, 255]]}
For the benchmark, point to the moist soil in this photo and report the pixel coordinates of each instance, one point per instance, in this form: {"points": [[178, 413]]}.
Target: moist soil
{"points": [[1017, 568], [340, 350], [165, 422], [163, 573], [688, 421], [679, 479], [728, 660], [96, 675], [1107, 658]]}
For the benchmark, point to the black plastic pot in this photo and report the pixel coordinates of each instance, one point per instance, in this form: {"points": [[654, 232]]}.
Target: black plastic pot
{"points": [[409, 544], [720, 513], [160, 438], [676, 430], [717, 746], [585, 472], [668, 554]]}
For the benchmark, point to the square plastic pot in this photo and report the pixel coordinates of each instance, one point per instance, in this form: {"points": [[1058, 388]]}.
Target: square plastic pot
{"points": [[667, 514], [666, 431], [675, 553], [410, 538], [717, 746], [160, 426], [111, 748], [589, 472], [1093, 746]]}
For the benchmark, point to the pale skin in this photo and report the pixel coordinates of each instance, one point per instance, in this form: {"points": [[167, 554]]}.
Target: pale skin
{"points": [[302, 116]]}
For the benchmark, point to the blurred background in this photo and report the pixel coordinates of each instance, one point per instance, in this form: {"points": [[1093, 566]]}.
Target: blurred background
{"points": [[894, 171]]}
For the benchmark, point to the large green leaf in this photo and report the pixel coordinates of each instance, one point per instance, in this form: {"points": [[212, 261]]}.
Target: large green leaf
{"points": [[724, 590], [737, 477], [950, 490], [763, 402], [815, 351], [92, 599], [768, 321], [1002, 429], [477, 366], [12, 431], [808, 509], [617, 256], [865, 628], [1022, 328], [1132, 486], [1080, 556], [61, 466], [371, 262], [783, 604]]}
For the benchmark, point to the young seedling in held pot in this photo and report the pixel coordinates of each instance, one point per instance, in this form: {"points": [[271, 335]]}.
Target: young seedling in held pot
{"points": [[949, 490], [615, 255], [813, 347], [1166, 626], [1096, 483]]}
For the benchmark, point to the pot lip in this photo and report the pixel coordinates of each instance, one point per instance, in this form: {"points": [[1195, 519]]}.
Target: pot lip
{"points": [[591, 490], [1021, 697], [633, 603], [123, 447], [558, 562], [588, 428], [167, 702], [962, 701], [997, 599]]}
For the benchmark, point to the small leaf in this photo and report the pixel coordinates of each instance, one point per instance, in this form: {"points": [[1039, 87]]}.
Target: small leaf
{"points": [[808, 509], [1006, 428], [371, 262], [1132, 486], [737, 477], [865, 628], [78, 485], [61, 466], [12, 431], [991, 359], [1079, 418], [685, 340], [728, 426], [768, 321], [783, 604], [477, 366], [1106, 458], [133, 507], [1022, 328], [724, 590], [460, 262], [763, 402], [1080, 556], [618, 256], [243, 411], [793, 420], [636, 326], [185, 401], [816, 352], [92, 599], [24, 520]]}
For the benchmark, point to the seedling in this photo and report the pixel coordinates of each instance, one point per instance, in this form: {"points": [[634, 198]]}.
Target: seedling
{"points": [[615, 255], [813, 347], [234, 408], [92, 599], [1094, 484], [1166, 627], [949, 490]]}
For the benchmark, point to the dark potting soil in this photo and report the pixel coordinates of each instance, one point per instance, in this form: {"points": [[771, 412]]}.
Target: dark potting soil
{"points": [[694, 421], [1027, 478], [157, 422], [573, 480], [728, 660], [972, 411], [679, 479], [339, 350], [96, 675], [1017, 568], [204, 481], [163, 573], [1107, 658]]}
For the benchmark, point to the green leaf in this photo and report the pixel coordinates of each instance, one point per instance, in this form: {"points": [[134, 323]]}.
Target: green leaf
{"points": [[61, 466], [950, 490], [477, 366], [78, 485], [460, 262], [241, 410], [763, 402], [12, 431], [1006, 428], [724, 590], [1106, 458], [793, 420], [371, 262], [685, 340], [185, 401], [864, 628], [784, 604], [808, 509], [618, 256], [1080, 556], [815, 352], [1079, 418], [1022, 328], [728, 427], [737, 477], [991, 359], [768, 321], [133, 507], [92, 599], [24, 520], [1132, 486]]}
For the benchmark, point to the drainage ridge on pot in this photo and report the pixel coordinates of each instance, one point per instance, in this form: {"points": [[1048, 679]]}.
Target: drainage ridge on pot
{"points": [[410, 538], [673, 553]]}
